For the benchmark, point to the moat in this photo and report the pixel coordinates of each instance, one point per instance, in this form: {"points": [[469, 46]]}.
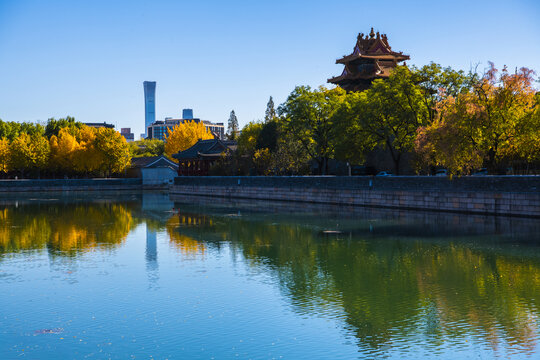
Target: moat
{"points": [[138, 275]]}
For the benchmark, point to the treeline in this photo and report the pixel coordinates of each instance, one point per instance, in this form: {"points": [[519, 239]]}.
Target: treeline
{"points": [[422, 118], [63, 147]]}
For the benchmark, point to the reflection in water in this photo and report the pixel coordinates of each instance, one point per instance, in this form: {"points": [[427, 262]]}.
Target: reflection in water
{"points": [[395, 281], [400, 283], [67, 226], [151, 249], [187, 245], [63, 229], [151, 257]]}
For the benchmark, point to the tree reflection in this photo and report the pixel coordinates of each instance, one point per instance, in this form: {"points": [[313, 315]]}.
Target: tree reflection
{"points": [[187, 245], [387, 289], [63, 228]]}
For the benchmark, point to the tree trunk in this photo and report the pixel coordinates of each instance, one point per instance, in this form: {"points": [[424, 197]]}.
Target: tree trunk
{"points": [[397, 161]]}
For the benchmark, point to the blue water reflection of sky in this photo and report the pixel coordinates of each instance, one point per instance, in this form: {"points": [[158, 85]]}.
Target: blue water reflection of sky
{"points": [[241, 280]]}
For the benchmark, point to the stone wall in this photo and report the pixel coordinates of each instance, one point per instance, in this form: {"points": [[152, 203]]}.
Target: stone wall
{"points": [[500, 195], [26, 185]]}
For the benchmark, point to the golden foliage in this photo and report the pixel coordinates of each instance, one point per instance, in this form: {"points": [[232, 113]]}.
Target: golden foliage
{"points": [[63, 150], [82, 150], [86, 158], [29, 152], [184, 136], [188, 246], [491, 123], [262, 159], [4, 155], [63, 229], [112, 150]]}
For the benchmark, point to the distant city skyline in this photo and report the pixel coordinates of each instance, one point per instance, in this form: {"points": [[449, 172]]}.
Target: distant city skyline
{"points": [[88, 59]]}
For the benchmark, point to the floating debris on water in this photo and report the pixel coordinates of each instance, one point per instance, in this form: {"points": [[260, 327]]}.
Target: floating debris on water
{"points": [[49, 331]]}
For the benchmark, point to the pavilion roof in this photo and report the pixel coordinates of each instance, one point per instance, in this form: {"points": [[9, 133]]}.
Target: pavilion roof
{"points": [[374, 46], [372, 58], [206, 149], [153, 162]]}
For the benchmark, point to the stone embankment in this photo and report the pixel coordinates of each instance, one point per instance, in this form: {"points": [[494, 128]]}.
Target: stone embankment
{"points": [[496, 195], [31, 185]]}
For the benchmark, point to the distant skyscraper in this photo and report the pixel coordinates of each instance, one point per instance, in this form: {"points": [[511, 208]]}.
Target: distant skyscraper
{"points": [[187, 114], [149, 104]]}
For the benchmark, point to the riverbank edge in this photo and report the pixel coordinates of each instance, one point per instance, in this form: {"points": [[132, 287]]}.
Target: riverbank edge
{"points": [[46, 185], [488, 195]]}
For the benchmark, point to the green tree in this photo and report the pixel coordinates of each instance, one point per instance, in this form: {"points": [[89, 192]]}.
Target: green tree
{"points": [[147, 147], [9, 130], [232, 126], [289, 157], [268, 136], [437, 83], [386, 115], [310, 116], [54, 126], [247, 140], [270, 112]]}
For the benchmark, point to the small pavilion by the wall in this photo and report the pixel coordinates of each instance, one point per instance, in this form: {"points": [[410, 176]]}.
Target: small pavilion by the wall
{"points": [[197, 160]]}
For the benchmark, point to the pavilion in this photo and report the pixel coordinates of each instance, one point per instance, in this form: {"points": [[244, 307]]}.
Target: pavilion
{"points": [[197, 160], [372, 58]]}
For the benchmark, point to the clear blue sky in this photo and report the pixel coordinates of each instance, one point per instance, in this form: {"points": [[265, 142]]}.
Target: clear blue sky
{"points": [[88, 59]]}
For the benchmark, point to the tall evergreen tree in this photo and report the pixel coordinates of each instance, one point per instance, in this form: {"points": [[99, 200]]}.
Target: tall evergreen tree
{"points": [[232, 127], [270, 112]]}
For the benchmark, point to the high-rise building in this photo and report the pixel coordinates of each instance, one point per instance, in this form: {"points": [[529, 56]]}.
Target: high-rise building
{"points": [[159, 129], [149, 104], [187, 114]]}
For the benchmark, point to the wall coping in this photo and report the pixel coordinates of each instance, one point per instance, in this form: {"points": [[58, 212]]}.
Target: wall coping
{"points": [[514, 184]]}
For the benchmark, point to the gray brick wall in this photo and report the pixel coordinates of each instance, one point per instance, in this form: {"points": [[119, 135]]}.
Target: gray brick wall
{"points": [[501, 195], [69, 184]]}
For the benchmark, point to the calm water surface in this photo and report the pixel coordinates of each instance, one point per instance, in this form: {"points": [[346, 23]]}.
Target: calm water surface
{"points": [[138, 276]]}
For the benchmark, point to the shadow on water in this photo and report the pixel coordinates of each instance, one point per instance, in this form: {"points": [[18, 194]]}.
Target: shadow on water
{"points": [[396, 279]]}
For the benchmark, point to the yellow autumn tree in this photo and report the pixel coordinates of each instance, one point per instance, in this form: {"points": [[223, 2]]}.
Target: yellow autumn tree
{"points": [[20, 153], [86, 158], [4, 155], [113, 150], [184, 136], [29, 153], [63, 150]]}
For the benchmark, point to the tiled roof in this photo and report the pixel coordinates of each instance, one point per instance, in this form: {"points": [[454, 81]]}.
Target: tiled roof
{"points": [[206, 148], [139, 162], [152, 162]]}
